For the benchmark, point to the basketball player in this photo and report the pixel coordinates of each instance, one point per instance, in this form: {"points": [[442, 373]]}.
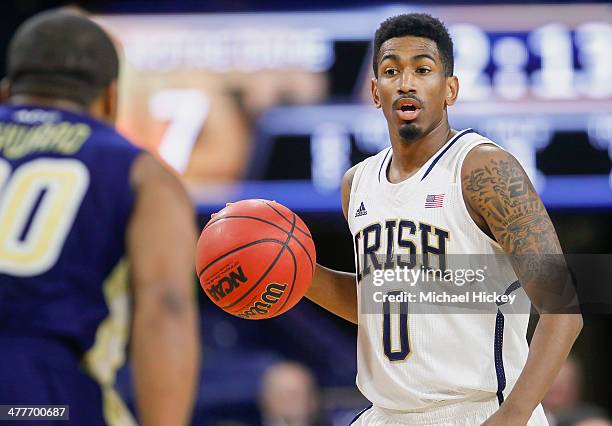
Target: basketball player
{"points": [[81, 210], [438, 191]]}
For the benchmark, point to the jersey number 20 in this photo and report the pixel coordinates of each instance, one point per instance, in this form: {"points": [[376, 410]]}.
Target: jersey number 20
{"points": [[38, 205]]}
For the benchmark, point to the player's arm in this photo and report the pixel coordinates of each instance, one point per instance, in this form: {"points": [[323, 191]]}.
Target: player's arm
{"points": [[165, 340], [499, 193], [334, 290]]}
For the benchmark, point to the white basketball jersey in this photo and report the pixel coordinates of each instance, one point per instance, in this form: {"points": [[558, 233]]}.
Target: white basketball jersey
{"points": [[438, 358]]}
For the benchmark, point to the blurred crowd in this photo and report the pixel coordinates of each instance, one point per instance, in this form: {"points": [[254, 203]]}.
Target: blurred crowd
{"points": [[289, 396], [564, 404]]}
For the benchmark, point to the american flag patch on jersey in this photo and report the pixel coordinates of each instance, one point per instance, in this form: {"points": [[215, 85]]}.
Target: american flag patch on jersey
{"points": [[434, 201]]}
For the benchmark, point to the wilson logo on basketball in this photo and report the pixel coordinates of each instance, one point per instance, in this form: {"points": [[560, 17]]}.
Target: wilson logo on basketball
{"points": [[274, 292], [227, 284]]}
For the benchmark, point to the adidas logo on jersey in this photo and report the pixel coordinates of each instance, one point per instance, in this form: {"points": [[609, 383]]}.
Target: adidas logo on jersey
{"points": [[361, 211]]}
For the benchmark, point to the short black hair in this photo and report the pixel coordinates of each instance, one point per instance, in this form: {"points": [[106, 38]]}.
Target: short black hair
{"points": [[61, 54], [417, 25]]}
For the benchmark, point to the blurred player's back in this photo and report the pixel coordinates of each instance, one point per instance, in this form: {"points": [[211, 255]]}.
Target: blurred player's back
{"points": [[63, 231], [76, 201]]}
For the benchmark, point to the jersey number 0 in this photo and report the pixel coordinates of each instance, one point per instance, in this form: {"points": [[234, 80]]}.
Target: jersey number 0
{"points": [[396, 345]]}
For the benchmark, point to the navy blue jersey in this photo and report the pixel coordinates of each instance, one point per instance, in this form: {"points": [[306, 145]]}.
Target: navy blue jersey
{"points": [[65, 202]]}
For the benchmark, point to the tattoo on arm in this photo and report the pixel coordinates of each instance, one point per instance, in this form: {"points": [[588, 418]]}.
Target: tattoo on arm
{"points": [[502, 193]]}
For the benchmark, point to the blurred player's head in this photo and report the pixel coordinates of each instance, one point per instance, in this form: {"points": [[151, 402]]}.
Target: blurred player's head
{"points": [[288, 395], [413, 74], [565, 392], [63, 58]]}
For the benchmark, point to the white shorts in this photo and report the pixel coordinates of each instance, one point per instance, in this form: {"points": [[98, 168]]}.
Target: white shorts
{"points": [[463, 414]]}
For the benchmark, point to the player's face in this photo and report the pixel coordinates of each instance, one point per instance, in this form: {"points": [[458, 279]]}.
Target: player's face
{"points": [[411, 87]]}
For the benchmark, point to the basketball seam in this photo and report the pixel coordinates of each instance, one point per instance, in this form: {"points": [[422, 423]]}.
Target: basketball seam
{"points": [[280, 252], [299, 229], [312, 265], [263, 240], [292, 281], [287, 220], [280, 308]]}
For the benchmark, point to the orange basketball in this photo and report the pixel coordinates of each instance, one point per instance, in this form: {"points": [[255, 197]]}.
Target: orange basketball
{"points": [[255, 259]]}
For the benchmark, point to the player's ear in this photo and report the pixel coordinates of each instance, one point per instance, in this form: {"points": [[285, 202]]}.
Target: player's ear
{"points": [[375, 96], [5, 90], [111, 101], [452, 90]]}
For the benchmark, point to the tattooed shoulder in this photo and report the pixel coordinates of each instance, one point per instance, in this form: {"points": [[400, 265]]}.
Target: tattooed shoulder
{"points": [[497, 188]]}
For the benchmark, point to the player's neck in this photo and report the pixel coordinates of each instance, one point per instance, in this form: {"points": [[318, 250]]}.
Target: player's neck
{"points": [[409, 157], [44, 101]]}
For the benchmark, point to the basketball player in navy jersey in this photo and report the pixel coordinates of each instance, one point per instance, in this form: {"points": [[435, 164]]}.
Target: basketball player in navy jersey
{"points": [[437, 192], [91, 227]]}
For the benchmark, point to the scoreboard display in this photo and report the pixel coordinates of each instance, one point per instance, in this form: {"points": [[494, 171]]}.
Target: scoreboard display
{"points": [[277, 105]]}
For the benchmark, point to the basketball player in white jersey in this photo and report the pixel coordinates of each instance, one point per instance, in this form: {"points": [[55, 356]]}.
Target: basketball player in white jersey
{"points": [[439, 191]]}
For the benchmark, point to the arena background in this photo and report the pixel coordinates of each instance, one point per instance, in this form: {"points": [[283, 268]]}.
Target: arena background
{"points": [[250, 99]]}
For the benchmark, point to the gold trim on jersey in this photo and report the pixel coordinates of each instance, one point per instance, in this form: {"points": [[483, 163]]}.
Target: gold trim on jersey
{"points": [[107, 354]]}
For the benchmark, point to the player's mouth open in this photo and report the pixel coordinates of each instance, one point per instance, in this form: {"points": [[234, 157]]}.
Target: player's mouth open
{"points": [[407, 109]]}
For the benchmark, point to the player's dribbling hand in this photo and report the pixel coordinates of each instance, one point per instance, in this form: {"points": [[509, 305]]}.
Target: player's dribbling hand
{"points": [[212, 216]]}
